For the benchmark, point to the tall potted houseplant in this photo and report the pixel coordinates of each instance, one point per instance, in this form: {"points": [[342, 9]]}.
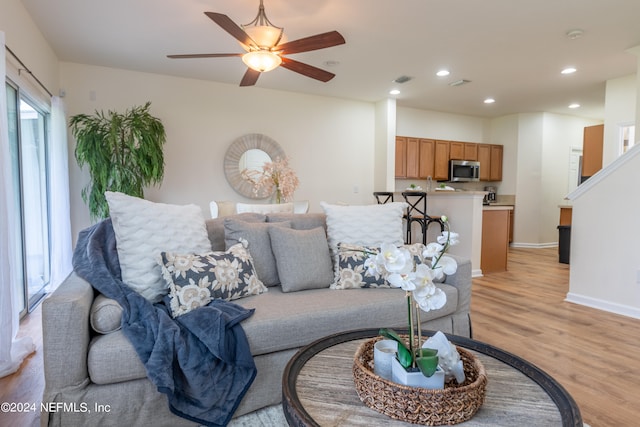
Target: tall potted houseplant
{"points": [[122, 151]]}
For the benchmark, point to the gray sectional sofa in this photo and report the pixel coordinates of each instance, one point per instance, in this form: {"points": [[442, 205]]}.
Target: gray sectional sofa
{"points": [[87, 363]]}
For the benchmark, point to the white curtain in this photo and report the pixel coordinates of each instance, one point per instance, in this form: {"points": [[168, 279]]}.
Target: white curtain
{"points": [[59, 196], [12, 350]]}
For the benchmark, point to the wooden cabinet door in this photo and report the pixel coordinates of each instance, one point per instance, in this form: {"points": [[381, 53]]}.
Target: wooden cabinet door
{"points": [[427, 152], [441, 161], [470, 151], [496, 163], [413, 158], [401, 157], [484, 157], [456, 150], [592, 149]]}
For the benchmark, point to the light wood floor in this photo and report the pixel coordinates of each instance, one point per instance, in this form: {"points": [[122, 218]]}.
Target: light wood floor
{"points": [[593, 354]]}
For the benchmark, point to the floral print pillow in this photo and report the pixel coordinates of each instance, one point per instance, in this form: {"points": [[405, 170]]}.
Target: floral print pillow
{"points": [[196, 279], [352, 272]]}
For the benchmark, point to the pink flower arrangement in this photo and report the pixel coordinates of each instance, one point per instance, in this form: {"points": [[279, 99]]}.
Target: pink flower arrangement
{"points": [[277, 176]]}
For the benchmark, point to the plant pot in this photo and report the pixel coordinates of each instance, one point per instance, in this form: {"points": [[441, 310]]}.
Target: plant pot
{"points": [[415, 378]]}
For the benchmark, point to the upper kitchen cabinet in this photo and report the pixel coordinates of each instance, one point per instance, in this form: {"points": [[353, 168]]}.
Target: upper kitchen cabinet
{"points": [[490, 158], [401, 157], [441, 161], [592, 150], [427, 154], [463, 150]]}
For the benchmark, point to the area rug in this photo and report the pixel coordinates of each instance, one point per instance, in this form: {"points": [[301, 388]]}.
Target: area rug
{"points": [[271, 416]]}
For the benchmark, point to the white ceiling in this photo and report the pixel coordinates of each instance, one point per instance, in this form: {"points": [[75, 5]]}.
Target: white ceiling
{"points": [[511, 50]]}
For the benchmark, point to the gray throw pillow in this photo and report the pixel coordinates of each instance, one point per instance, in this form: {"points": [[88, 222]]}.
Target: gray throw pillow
{"points": [[259, 244], [302, 257], [105, 315]]}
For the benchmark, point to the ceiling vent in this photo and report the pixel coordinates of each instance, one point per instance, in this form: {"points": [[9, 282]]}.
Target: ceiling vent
{"points": [[402, 79], [459, 82]]}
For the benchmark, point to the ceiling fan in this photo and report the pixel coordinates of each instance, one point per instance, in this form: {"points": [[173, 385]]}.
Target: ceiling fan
{"points": [[264, 51]]}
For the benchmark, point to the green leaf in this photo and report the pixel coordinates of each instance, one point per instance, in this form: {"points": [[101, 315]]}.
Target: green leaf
{"points": [[428, 365], [404, 354]]}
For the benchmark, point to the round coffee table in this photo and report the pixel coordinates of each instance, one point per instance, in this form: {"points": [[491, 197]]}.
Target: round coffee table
{"points": [[318, 388]]}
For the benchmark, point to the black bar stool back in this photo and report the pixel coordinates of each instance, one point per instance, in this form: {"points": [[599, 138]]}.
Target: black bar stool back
{"points": [[383, 197], [417, 212]]}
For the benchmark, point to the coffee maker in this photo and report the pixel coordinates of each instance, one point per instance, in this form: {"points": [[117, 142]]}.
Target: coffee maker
{"points": [[490, 197]]}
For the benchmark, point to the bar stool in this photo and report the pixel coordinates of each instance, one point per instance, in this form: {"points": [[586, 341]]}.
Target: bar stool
{"points": [[417, 212], [383, 197]]}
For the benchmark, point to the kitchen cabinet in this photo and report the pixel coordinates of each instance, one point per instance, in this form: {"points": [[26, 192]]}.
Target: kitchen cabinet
{"points": [[470, 151], [413, 158], [456, 150], [401, 157], [495, 239], [427, 153], [592, 143], [463, 150], [511, 216], [441, 161], [490, 158], [495, 172]]}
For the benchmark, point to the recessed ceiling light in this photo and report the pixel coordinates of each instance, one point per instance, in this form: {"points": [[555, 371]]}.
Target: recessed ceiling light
{"points": [[394, 92], [489, 101], [575, 34], [574, 105], [443, 73], [568, 70]]}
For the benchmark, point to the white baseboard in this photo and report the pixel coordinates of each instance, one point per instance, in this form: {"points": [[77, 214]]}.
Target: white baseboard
{"points": [[476, 273], [534, 245], [609, 306]]}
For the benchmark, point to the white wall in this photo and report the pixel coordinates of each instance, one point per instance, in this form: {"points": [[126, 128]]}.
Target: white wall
{"points": [[605, 260], [620, 110], [330, 141]]}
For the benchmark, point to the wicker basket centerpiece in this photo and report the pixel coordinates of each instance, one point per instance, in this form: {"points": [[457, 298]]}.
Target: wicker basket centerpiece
{"points": [[452, 405]]}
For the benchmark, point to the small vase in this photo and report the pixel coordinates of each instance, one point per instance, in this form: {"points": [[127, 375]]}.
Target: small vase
{"points": [[415, 378], [383, 352], [277, 197]]}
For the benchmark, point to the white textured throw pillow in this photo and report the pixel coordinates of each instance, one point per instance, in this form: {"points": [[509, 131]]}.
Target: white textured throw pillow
{"points": [[367, 225], [144, 229]]}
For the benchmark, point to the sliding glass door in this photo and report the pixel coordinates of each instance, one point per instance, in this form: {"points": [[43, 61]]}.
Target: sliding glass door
{"points": [[27, 140]]}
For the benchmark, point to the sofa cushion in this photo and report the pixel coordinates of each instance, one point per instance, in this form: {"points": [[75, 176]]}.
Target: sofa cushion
{"points": [[215, 228], [105, 315], [300, 221], [112, 359], [264, 208], [368, 225], [352, 272], [294, 319], [302, 257], [196, 279], [144, 229], [257, 236]]}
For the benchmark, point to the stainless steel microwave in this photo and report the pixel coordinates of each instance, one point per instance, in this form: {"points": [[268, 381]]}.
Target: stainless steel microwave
{"points": [[464, 171]]}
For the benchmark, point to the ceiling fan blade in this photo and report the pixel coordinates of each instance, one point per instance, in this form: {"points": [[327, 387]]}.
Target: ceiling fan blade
{"points": [[319, 41], [250, 77], [231, 27], [204, 55], [307, 70]]}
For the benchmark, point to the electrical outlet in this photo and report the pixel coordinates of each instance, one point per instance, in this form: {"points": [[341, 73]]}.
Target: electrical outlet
{"points": [[356, 189]]}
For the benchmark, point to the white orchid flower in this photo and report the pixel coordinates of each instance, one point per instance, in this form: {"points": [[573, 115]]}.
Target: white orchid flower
{"points": [[430, 298], [452, 237], [432, 250], [448, 264], [373, 267], [404, 281], [394, 259]]}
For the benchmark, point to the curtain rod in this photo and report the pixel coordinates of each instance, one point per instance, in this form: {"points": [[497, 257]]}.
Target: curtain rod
{"points": [[27, 70]]}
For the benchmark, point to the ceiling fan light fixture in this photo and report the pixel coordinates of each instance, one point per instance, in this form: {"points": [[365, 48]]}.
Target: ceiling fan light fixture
{"points": [[262, 31], [261, 60]]}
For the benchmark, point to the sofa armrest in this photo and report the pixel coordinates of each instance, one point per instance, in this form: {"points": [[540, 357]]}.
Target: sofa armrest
{"points": [[462, 281], [66, 334]]}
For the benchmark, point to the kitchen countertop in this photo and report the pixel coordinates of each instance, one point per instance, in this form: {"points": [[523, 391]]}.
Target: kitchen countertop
{"points": [[497, 207]]}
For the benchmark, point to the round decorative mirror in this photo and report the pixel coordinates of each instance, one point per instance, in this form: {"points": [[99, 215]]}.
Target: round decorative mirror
{"points": [[249, 152]]}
